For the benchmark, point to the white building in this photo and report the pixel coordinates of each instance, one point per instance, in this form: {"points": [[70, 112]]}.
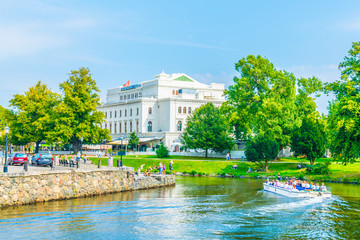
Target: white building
{"points": [[157, 110]]}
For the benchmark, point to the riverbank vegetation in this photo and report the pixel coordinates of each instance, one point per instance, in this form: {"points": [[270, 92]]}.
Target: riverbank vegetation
{"points": [[287, 167]]}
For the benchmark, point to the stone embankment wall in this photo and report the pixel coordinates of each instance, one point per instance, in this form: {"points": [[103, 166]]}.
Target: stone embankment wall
{"points": [[23, 188]]}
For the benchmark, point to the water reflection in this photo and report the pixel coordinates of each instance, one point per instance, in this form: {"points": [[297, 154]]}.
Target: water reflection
{"points": [[195, 208]]}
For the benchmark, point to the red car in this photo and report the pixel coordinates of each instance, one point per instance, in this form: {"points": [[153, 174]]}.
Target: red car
{"points": [[17, 158]]}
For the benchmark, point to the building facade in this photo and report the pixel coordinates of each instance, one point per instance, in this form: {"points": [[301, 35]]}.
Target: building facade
{"points": [[157, 109]]}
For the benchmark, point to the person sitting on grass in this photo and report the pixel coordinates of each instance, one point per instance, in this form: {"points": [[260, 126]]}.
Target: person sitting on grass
{"points": [[249, 170], [234, 166]]}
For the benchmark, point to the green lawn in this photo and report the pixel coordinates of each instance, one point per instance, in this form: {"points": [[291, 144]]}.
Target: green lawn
{"points": [[285, 166]]}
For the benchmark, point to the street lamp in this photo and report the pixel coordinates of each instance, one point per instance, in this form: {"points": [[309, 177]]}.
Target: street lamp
{"points": [[6, 133]]}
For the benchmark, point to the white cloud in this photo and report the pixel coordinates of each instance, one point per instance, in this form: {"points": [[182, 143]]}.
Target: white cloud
{"points": [[29, 38]]}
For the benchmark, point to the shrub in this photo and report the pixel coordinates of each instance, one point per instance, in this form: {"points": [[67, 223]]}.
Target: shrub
{"points": [[162, 151], [200, 174], [193, 173], [184, 172], [319, 168], [301, 176], [223, 174]]}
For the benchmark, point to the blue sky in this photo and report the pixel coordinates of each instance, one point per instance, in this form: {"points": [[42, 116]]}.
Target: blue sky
{"points": [[135, 40]]}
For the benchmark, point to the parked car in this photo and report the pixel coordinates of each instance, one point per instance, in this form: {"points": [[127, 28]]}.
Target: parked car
{"points": [[17, 158], [44, 159]]}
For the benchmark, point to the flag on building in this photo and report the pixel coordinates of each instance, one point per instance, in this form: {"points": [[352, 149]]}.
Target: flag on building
{"points": [[127, 84]]}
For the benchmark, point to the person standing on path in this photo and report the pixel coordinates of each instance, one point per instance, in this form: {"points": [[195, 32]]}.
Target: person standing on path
{"points": [[160, 167], [110, 161], [228, 156], [171, 166]]}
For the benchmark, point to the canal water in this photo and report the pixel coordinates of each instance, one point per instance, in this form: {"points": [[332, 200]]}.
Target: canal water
{"points": [[196, 208]]}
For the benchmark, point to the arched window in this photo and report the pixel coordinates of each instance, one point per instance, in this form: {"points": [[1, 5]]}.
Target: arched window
{"points": [[150, 110], [149, 126], [189, 110], [130, 126], [184, 111], [137, 125], [179, 109], [130, 112], [137, 111], [179, 126], [125, 127]]}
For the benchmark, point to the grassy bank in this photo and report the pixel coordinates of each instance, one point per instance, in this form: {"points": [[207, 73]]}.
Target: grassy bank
{"points": [[202, 166]]}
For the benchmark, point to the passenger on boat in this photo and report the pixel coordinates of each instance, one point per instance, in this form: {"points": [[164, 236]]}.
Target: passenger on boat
{"points": [[323, 187]]}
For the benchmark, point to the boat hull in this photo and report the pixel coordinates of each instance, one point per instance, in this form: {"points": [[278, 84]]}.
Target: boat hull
{"points": [[296, 194]]}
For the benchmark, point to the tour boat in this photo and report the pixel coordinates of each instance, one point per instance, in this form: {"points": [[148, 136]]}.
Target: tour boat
{"points": [[297, 193]]}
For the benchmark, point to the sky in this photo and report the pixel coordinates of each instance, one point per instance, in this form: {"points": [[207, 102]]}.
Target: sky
{"points": [[135, 40]]}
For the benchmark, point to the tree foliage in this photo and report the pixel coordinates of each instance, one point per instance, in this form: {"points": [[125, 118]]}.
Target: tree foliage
{"points": [[207, 129], [344, 113], [32, 119], [162, 151], [264, 99], [309, 139], [133, 140], [261, 149], [77, 115]]}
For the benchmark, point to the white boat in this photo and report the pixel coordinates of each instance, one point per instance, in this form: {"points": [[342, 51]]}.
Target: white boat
{"points": [[297, 193]]}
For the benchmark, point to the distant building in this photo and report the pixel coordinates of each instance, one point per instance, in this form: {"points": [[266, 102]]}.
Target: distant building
{"points": [[157, 109]]}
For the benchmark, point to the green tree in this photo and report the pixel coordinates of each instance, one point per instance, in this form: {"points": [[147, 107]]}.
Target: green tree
{"points": [[344, 117], [309, 139], [77, 115], [133, 141], [207, 129], [32, 119], [261, 149], [162, 151], [262, 99]]}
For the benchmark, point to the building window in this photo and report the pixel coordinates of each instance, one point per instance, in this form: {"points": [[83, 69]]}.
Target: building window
{"points": [[136, 95], [110, 114], [177, 92], [120, 113], [132, 95], [184, 111], [105, 126], [121, 97], [137, 125], [120, 128], [124, 97], [115, 114], [110, 128], [137, 111], [130, 126], [189, 110], [140, 94], [150, 110], [179, 126], [105, 114], [125, 127], [179, 109], [130, 112], [125, 112], [128, 96], [114, 127], [149, 126]]}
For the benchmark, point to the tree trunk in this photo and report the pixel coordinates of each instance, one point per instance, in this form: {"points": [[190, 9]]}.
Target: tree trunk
{"points": [[266, 166], [37, 146], [206, 153], [76, 146]]}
